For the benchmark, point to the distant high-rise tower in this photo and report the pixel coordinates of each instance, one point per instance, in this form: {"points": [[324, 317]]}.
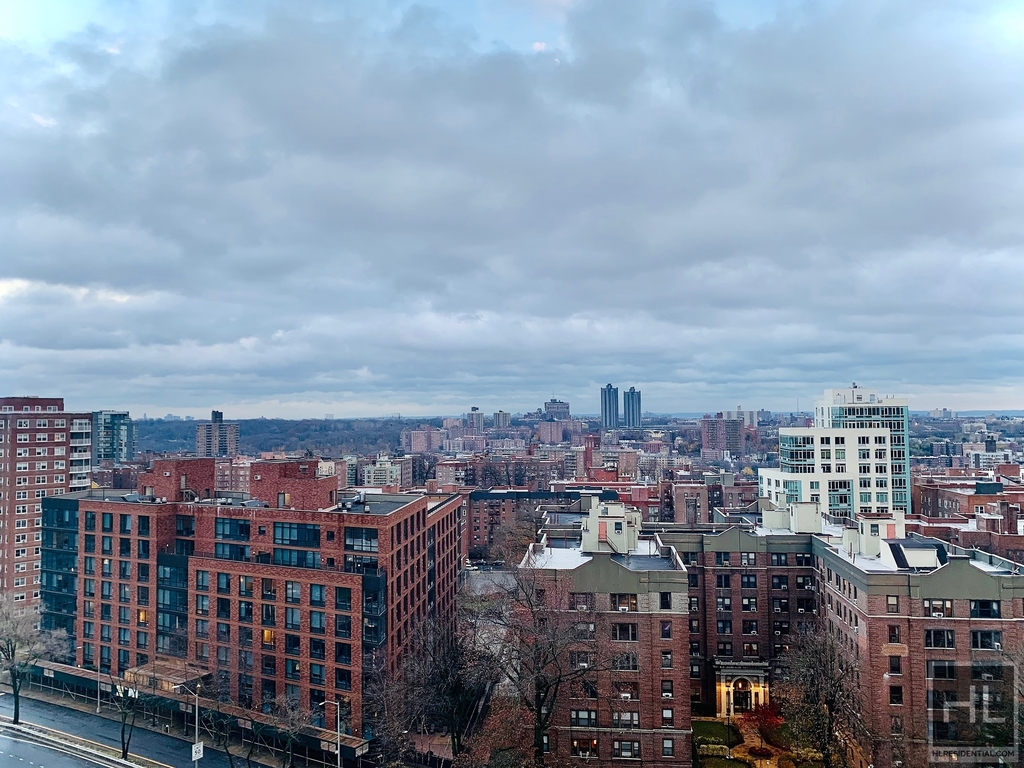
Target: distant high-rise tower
{"points": [[631, 409], [475, 419], [502, 420], [609, 407], [113, 437], [216, 438]]}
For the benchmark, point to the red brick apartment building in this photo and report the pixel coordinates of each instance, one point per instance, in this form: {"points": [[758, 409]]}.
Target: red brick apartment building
{"points": [[630, 597], [44, 451], [927, 621], [294, 593]]}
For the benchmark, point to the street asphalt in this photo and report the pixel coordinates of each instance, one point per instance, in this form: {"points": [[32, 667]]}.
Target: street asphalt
{"points": [[151, 744], [20, 753]]}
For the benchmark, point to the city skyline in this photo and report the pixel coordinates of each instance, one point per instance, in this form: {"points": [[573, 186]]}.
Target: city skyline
{"points": [[420, 207]]}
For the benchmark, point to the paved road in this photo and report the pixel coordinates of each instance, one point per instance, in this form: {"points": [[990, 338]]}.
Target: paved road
{"points": [[20, 753], [157, 746]]}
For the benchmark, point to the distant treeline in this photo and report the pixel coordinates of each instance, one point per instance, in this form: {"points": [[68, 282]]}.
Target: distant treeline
{"points": [[328, 438]]}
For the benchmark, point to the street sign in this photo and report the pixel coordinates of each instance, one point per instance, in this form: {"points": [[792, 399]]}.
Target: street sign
{"points": [[197, 751]]}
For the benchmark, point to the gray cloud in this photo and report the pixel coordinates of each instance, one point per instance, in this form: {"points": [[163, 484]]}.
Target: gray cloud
{"points": [[317, 213]]}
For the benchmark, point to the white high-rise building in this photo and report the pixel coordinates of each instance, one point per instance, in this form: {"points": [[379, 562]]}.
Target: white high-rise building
{"points": [[853, 461]]}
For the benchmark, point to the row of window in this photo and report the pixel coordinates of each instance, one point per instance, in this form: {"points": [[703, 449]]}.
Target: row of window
{"points": [[623, 749], [723, 604], [587, 718], [124, 548], [981, 639], [293, 590], [977, 609]]}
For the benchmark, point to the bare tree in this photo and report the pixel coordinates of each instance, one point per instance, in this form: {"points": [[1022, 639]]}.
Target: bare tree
{"points": [[259, 725], [219, 714], [548, 649], [127, 701], [819, 696], [446, 674], [389, 711], [23, 643], [291, 721]]}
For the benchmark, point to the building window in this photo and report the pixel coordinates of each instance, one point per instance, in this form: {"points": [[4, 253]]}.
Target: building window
{"points": [[939, 638], [940, 670], [985, 609], [583, 748], [892, 604], [723, 581], [895, 694], [343, 679], [667, 718], [317, 595], [748, 581], [668, 748], [300, 534], [666, 659], [629, 749], [986, 640], [894, 633], [666, 630], [583, 718], [624, 632], [666, 601], [623, 602], [895, 665]]}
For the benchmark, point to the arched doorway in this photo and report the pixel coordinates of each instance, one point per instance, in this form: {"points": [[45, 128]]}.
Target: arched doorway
{"points": [[741, 700]]}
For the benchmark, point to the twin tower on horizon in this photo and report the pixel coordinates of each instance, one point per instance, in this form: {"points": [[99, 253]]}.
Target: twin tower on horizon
{"points": [[610, 408]]}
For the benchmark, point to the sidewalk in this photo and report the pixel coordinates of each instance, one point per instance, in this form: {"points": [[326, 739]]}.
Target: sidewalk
{"points": [[164, 726]]}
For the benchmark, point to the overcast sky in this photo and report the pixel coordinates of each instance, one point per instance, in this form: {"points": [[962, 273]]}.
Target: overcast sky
{"points": [[287, 209]]}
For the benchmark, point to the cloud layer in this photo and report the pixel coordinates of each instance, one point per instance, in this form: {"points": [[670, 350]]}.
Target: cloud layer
{"points": [[363, 214]]}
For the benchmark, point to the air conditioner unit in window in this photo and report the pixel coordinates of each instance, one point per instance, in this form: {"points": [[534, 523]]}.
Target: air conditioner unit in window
{"points": [[986, 676], [800, 610], [623, 608], [777, 632], [666, 695], [808, 586], [785, 586], [256, 477], [582, 608], [938, 615], [998, 646], [625, 696], [778, 610], [167, 474], [582, 665]]}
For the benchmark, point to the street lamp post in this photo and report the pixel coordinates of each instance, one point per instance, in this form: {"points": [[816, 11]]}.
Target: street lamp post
{"points": [[80, 647], [195, 762], [337, 709]]}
